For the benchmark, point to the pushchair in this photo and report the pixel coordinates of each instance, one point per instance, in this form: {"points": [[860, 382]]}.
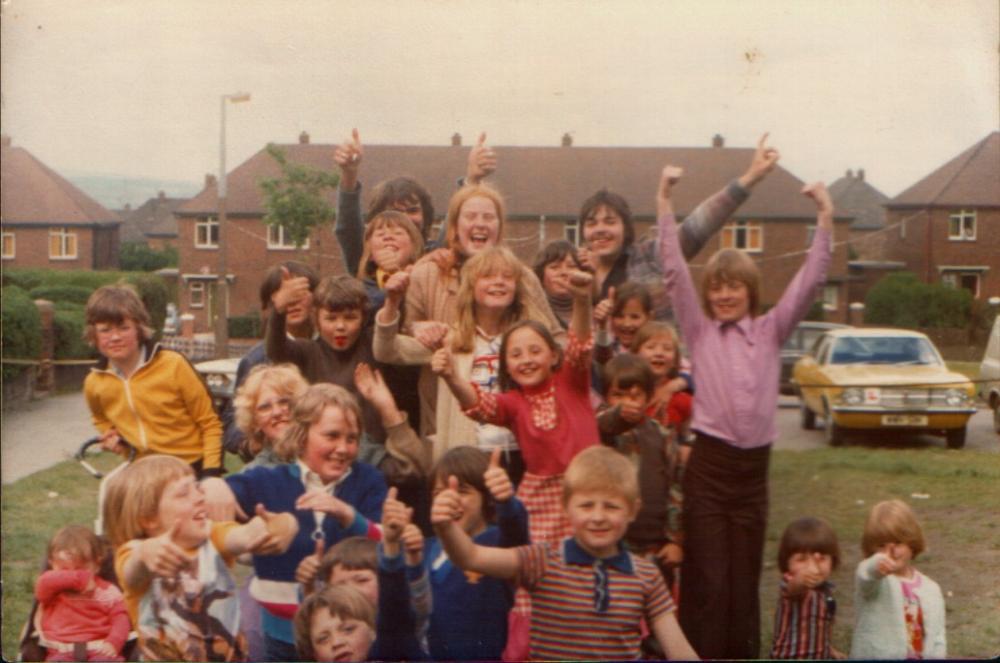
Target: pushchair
{"points": [[32, 644]]}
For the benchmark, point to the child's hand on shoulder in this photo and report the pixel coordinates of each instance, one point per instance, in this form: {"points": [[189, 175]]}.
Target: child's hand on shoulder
{"points": [[162, 555], [447, 505], [497, 480], [291, 290], [413, 544], [305, 572]]}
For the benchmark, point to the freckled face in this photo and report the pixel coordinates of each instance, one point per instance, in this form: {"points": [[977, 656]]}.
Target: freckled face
{"points": [[331, 444]]}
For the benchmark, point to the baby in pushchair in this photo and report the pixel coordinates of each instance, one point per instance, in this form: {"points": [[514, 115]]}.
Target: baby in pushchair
{"points": [[80, 615]]}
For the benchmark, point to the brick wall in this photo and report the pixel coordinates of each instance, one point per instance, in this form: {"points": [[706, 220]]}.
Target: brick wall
{"points": [[32, 249]]}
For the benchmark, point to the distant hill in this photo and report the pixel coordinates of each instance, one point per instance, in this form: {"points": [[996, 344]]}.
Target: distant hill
{"points": [[114, 192]]}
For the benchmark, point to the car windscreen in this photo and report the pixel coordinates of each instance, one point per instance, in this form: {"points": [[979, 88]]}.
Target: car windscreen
{"points": [[883, 350]]}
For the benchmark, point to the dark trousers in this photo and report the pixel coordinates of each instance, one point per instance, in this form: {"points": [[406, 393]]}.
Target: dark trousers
{"points": [[725, 518]]}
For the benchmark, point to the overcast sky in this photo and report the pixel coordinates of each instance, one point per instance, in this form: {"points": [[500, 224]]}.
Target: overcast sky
{"points": [[132, 88]]}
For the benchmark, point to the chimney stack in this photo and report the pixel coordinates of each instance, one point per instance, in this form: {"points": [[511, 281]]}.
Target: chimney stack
{"points": [[162, 195], [861, 174], [567, 140], [303, 138], [718, 141], [209, 181], [456, 139]]}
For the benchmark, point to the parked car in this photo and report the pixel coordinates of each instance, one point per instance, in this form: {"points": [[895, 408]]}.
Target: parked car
{"points": [[882, 379], [802, 339], [989, 370], [220, 376]]}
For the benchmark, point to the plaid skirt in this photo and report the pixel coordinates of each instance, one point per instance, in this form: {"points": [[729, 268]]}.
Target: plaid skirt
{"points": [[547, 520]]}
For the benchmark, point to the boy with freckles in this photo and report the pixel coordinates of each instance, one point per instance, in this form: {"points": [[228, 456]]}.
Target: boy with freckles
{"points": [[588, 594]]}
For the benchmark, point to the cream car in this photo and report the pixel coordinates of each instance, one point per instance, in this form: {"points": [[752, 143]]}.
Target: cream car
{"points": [[882, 379]]}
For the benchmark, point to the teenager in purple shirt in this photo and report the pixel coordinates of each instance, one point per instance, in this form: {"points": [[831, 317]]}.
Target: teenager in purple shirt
{"points": [[735, 363]]}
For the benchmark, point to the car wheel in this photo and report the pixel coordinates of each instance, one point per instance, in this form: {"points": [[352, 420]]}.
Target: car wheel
{"points": [[807, 417], [834, 433], [955, 437]]}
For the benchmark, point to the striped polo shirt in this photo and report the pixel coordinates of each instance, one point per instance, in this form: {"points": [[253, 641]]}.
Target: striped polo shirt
{"points": [[583, 608], [803, 624]]}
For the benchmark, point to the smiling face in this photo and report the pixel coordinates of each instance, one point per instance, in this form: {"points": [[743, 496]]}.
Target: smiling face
{"points": [[271, 412], [495, 291], [478, 225], [331, 444], [528, 358], [335, 638], [556, 277], [599, 519], [183, 501], [661, 353], [471, 521], [364, 580], [811, 568], [340, 329], [119, 342], [728, 301], [391, 246], [626, 322], [604, 233], [634, 397]]}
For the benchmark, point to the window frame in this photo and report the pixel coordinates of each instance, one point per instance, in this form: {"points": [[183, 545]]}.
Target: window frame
{"points": [[952, 278], [730, 234], [207, 223], [962, 216], [281, 244], [65, 237], [572, 231], [830, 303], [8, 234], [198, 302]]}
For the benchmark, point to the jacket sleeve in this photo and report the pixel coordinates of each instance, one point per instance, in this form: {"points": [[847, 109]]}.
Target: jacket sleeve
{"points": [[418, 295], [198, 402], [97, 416], [512, 519], [801, 292], [680, 285], [52, 583], [120, 625], [395, 623], [350, 229], [869, 580], [709, 216], [391, 347]]}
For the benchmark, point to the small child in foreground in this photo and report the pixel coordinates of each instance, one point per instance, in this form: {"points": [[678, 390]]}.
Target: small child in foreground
{"points": [[173, 563], [75, 604], [900, 611], [587, 584], [803, 621]]}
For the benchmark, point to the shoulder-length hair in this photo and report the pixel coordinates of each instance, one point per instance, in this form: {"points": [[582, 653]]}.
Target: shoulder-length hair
{"points": [[731, 265], [284, 379], [115, 304], [505, 381], [490, 262], [367, 266], [133, 495], [459, 198], [307, 411]]}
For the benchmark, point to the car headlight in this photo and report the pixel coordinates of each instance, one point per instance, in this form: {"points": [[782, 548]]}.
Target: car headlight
{"points": [[955, 397], [852, 396]]}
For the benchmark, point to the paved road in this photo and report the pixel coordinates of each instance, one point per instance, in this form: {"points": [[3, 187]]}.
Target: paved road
{"points": [[42, 433], [980, 435]]}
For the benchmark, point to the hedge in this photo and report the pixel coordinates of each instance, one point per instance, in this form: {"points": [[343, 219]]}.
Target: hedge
{"points": [[138, 257], [902, 300], [69, 325], [22, 328], [246, 326], [62, 293]]}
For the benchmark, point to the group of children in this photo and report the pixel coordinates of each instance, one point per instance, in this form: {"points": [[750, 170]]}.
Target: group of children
{"points": [[575, 478]]}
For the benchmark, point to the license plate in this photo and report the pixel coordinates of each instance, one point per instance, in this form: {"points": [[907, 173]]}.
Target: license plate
{"points": [[904, 420]]}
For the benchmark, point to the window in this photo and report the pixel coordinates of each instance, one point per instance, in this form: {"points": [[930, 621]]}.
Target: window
{"points": [[196, 294], [967, 280], [206, 234], [744, 236], [962, 226], [571, 231], [62, 244], [830, 293], [276, 239], [9, 245]]}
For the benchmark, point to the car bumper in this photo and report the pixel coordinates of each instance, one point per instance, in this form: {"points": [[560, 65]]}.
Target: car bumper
{"points": [[873, 417]]}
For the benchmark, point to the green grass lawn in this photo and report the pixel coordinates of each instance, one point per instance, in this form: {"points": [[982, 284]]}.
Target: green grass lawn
{"points": [[962, 490]]}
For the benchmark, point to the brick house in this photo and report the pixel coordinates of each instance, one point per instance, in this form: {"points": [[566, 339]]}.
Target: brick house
{"points": [[48, 222], [543, 187], [854, 196], [946, 227], [152, 223]]}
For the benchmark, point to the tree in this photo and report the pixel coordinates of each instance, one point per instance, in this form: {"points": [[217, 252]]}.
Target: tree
{"points": [[137, 257], [902, 300], [296, 201]]}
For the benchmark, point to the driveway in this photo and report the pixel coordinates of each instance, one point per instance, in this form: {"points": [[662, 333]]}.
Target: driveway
{"points": [[980, 435], [38, 434]]}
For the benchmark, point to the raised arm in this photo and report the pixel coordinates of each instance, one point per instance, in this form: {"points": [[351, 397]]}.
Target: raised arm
{"points": [[482, 161], [388, 345], [676, 276], [350, 228], [581, 285], [279, 347], [443, 365], [410, 454], [501, 563]]}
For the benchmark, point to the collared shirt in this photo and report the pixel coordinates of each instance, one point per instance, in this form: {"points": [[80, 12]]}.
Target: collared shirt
{"points": [[736, 365], [803, 624], [311, 481], [567, 619]]}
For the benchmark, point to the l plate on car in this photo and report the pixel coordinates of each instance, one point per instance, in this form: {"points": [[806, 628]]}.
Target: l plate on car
{"points": [[904, 420]]}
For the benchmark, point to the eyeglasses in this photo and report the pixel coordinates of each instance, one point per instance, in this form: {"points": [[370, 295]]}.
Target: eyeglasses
{"points": [[267, 408]]}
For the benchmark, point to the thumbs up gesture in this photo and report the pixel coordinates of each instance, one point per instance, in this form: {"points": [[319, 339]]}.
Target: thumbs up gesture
{"points": [[276, 531], [395, 516], [482, 161], [497, 480], [163, 555], [305, 573], [348, 157], [447, 506], [602, 311], [293, 289]]}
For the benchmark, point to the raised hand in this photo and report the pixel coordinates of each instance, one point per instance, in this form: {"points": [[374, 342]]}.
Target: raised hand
{"points": [[763, 162], [430, 333], [278, 531], [163, 555], [395, 517], [497, 480], [603, 308], [395, 287], [447, 505], [305, 572], [348, 157], [442, 363], [824, 205], [293, 289], [413, 544], [321, 500], [587, 259], [482, 161], [371, 385], [581, 283], [891, 561], [630, 412], [668, 178]]}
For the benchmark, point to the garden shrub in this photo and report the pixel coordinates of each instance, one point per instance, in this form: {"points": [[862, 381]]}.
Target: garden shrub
{"points": [[62, 293], [138, 257], [902, 300], [246, 326], [22, 328], [69, 323]]}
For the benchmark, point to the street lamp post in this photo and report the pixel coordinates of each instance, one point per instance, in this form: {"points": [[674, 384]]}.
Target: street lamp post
{"points": [[222, 305]]}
